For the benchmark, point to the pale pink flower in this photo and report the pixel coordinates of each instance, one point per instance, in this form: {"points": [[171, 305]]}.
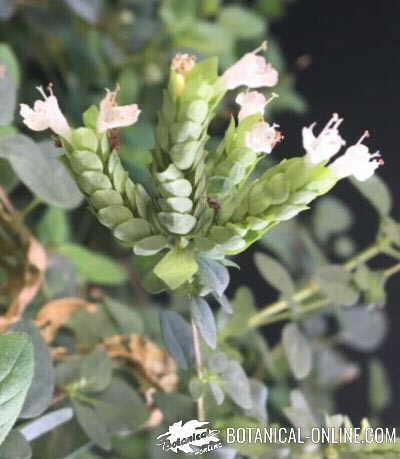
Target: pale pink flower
{"points": [[183, 63], [251, 71], [326, 144], [357, 161], [252, 102], [46, 114], [263, 137], [112, 116]]}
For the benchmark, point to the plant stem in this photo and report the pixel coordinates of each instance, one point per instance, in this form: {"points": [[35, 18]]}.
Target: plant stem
{"points": [[199, 367], [277, 311], [392, 270], [32, 205]]}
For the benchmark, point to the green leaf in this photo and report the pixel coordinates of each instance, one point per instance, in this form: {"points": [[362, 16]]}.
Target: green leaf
{"points": [[8, 58], [335, 282], [244, 307], [275, 274], [177, 223], [53, 228], [361, 328], [297, 350], [177, 336], [16, 372], [242, 23], [377, 193], [43, 174], [176, 267], [8, 95], [331, 216], [41, 390], [299, 413], [93, 266], [127, 318], [96, 371], [213, 275], [15, 447], [204, 320], [379, 388], [150, 245], [92, 424], [89, 10], [234, 380], [259, 395]]}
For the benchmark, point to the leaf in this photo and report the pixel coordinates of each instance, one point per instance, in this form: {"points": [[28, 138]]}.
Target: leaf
{"points": [[44, 175], [176, 267], [241, 22], [333, 369], [259, 395], [92, 424], [96, 371], [53, 229], [15, 446], [89, 10], [275, 274], [41, 390], [46, 423], [127, 318], [361, 328], [243, 309], [331, 216], [236, 384], [213, 275], [217, 392], [93, 266], [376, 192], [16, 372], [379, 387], [299, 413], [204, 320], [334, 282], [177, 336], [8, 57], [8, 95], [297, 349]]}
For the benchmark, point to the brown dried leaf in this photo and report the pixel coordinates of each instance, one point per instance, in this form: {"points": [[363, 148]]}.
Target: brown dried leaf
{"points": [[54, 314], [24, 259], [151, 363]]}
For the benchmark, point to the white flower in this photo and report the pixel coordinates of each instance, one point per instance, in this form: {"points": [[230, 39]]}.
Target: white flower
{"points": [[252, 102], [357, 161], [263, 137], [326, 145], [46, 114], [251, 71], [111, 116]]}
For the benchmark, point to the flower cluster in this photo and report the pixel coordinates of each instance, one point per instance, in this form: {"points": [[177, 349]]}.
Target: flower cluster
{"points": [[202, 203]]}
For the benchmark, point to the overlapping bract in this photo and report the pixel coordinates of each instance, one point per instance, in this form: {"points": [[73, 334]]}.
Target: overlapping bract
{"points": [[203, 202]]}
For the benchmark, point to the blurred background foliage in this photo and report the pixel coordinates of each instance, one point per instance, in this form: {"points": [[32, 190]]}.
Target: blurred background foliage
{"points": [[90, 291]]}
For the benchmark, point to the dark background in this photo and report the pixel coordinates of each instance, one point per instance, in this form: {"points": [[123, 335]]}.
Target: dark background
{"points": [[354, 47]]}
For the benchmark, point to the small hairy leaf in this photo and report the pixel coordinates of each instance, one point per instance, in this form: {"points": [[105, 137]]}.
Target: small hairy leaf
{"points": [[16, 372], [297, 350], [177, 336], [204, 320]]}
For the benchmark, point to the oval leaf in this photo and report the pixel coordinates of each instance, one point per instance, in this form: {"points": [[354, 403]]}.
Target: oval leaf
{"points": [[204, 320], [297, 350]]}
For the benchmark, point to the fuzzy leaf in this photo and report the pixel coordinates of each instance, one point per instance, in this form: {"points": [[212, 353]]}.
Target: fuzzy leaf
{"points": [[176, 267], [275, 274], [16, 372], [297, 350], [204, 320], [177, 336]]}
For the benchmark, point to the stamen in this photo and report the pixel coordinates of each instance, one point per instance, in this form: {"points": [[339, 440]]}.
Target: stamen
{"points": [[40, 89], [262, 47], [50, 88], [364, 136], [335, 118], [273, 96]]}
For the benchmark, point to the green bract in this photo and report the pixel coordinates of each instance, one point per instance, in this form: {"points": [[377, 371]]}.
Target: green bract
{"points": [[200, 203]]}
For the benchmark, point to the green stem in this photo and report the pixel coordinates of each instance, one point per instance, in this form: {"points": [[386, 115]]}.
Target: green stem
{"points": [[392, 270], [277, 311], [201, 416]]}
